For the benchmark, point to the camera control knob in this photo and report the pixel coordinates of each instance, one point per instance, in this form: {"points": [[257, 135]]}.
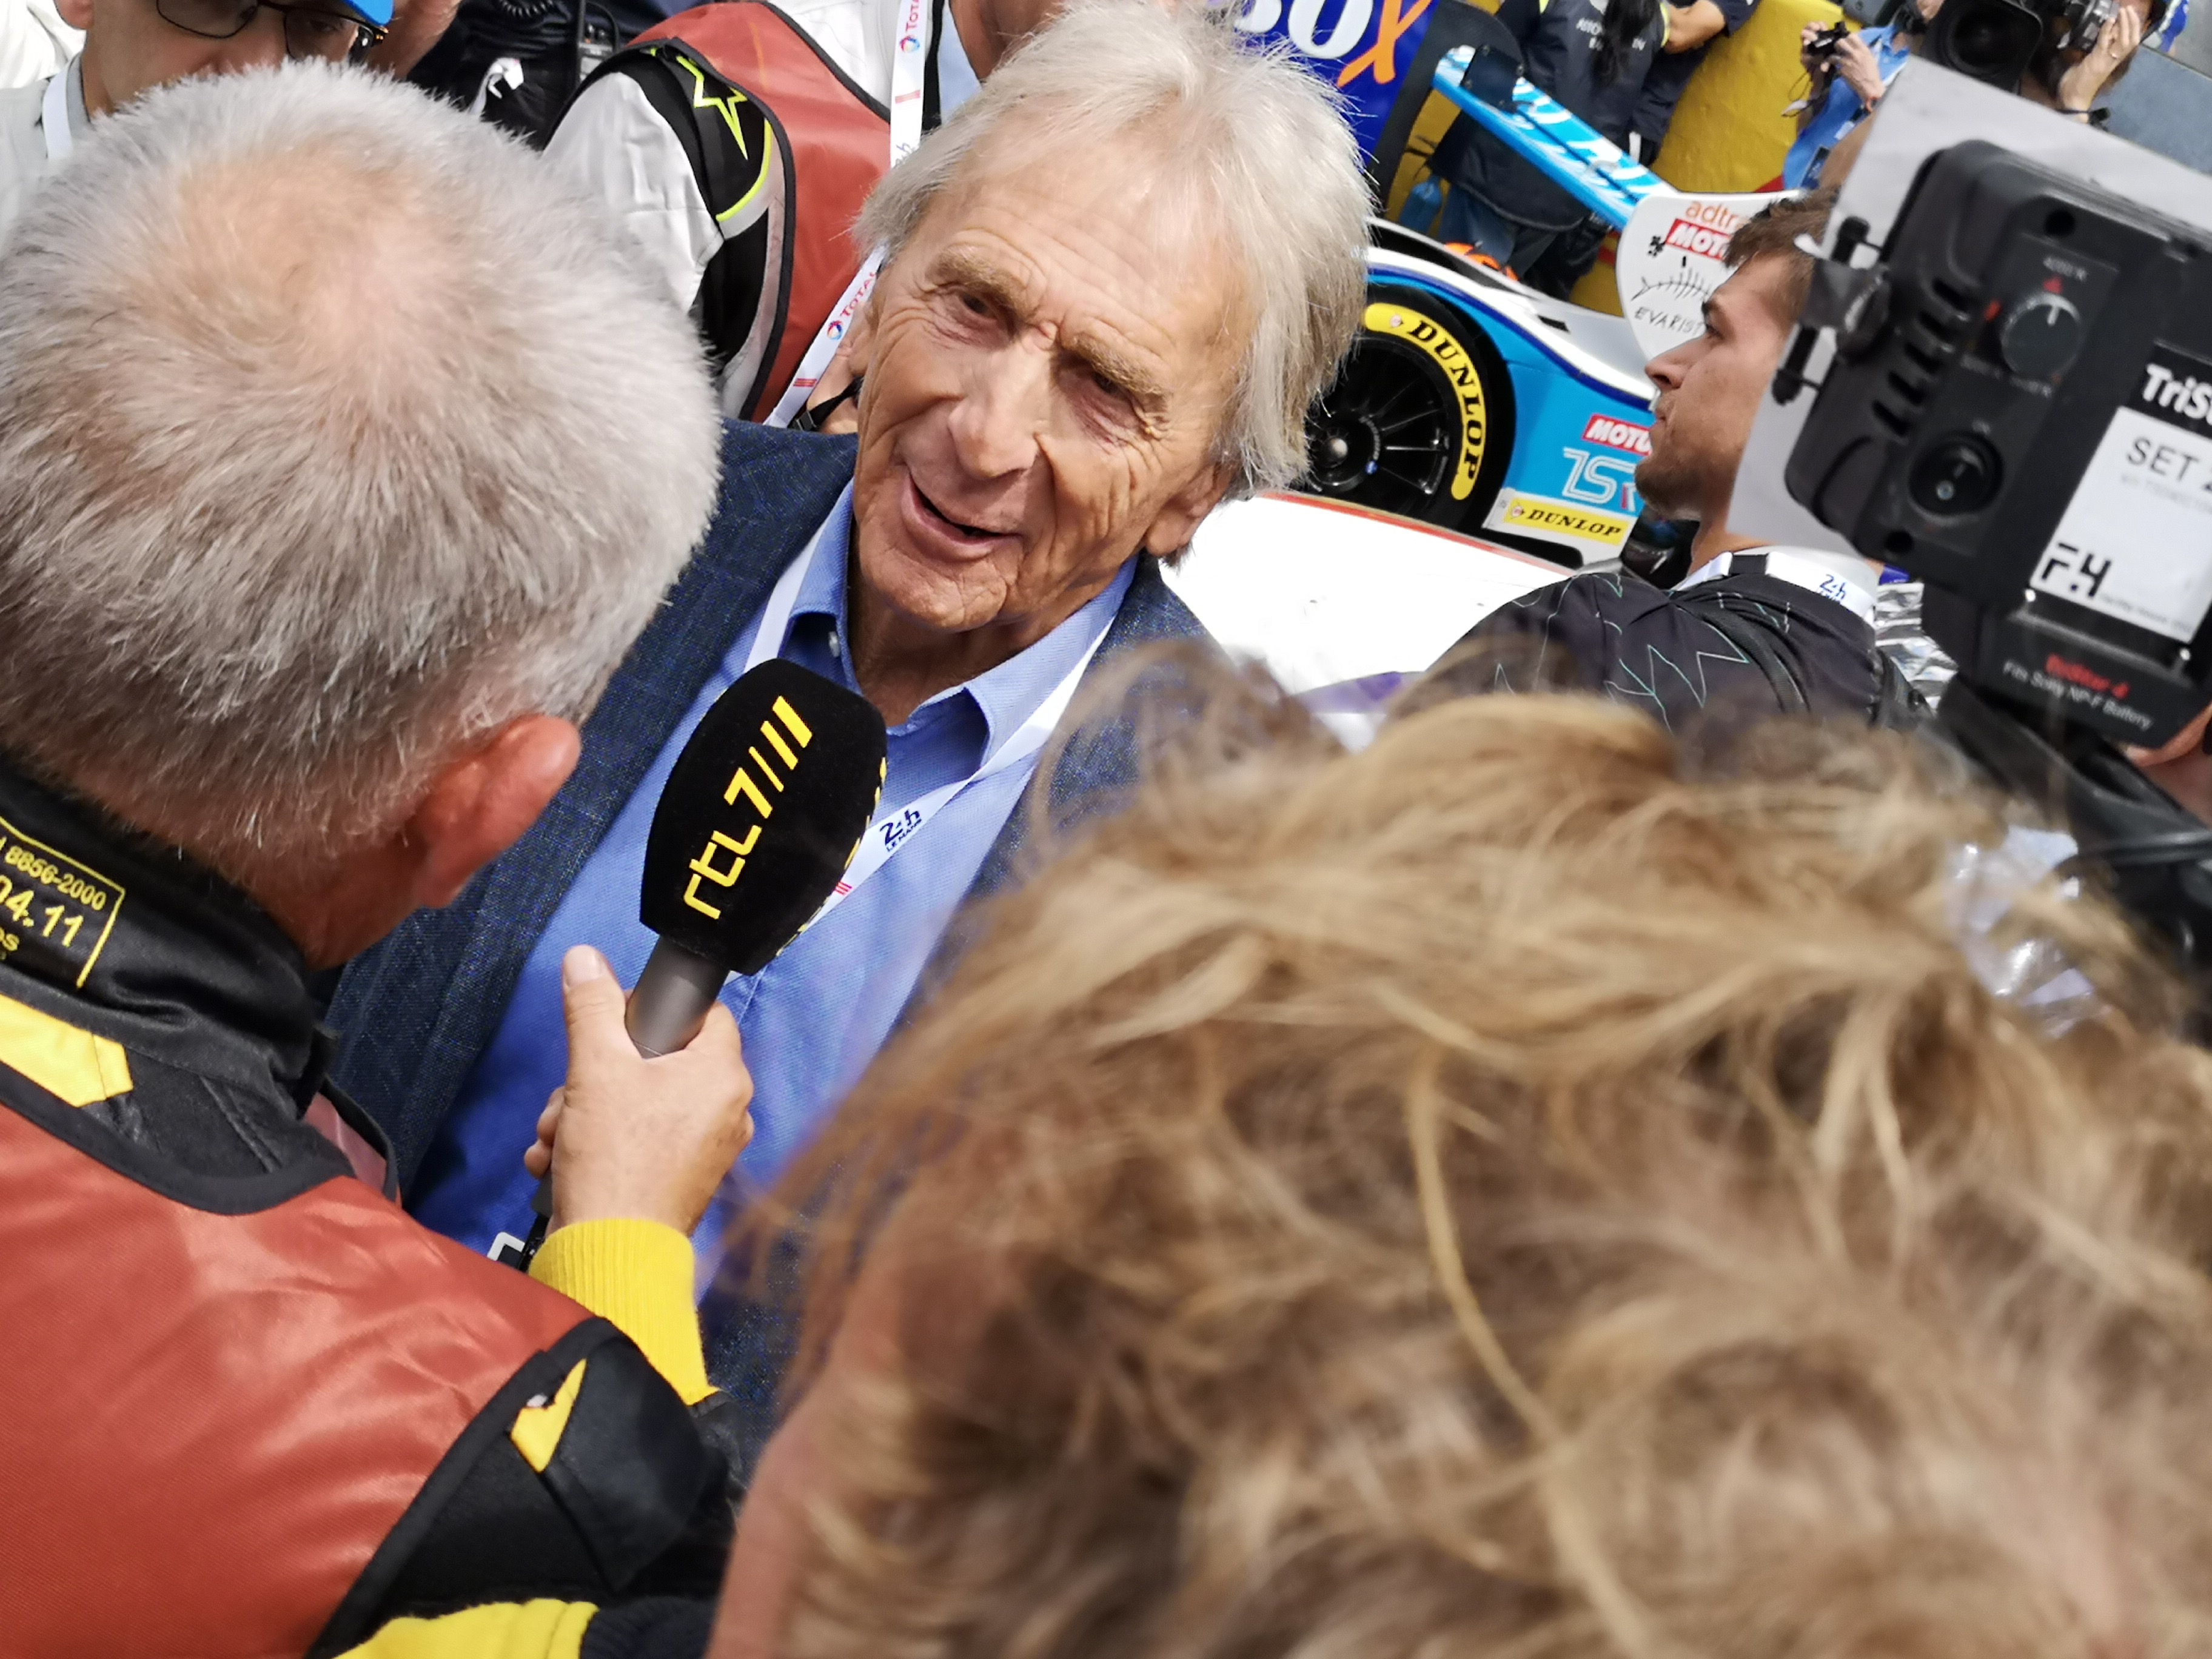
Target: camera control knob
{"points": [[1957, 474], [2040, 336]]}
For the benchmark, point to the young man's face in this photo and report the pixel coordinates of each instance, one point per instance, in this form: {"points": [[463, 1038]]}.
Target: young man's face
{"points": [[1709, 393]]}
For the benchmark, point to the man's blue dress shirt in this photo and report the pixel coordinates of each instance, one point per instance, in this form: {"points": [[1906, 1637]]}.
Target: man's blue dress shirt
{"points": [[814, 1017]]}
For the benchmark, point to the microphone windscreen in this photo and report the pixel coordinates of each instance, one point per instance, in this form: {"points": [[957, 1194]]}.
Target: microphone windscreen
{"points": [[765, 807]]}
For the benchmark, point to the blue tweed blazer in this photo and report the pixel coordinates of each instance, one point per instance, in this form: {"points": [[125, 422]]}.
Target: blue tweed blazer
{"points": [[417, 1011]]}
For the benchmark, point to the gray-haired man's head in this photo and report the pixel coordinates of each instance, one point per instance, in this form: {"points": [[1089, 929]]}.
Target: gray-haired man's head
{"points": [[342, 456]]}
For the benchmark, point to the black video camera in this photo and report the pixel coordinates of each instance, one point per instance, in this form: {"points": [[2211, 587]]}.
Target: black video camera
{"points": [[2019, 413], [1996, 40]]}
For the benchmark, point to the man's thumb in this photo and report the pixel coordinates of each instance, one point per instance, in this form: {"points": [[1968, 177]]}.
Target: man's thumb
{"points": [[593, 999]]}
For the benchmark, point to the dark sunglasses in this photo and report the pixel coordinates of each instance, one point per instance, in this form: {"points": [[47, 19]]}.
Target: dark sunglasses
{"points": [[309, 31]]}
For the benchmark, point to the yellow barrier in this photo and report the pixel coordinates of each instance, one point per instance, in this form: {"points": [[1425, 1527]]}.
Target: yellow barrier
{"points": [[1729, 132]]}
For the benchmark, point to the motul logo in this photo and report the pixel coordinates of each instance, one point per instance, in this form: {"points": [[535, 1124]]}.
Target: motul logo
{"points": [[1617, 435], [1707, 241]]}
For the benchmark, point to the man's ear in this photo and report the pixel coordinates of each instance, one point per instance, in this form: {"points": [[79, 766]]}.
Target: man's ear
{"points": [[481, 802], [1180, 516], [78, 14]]}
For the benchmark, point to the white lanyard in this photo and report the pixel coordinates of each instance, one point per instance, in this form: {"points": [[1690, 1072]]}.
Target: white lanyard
{"points": [[53, 114], [1804, 570], [910, 53], [894, 829], [826, 342]]}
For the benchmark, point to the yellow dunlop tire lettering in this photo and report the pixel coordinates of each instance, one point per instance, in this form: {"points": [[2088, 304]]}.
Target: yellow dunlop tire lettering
{"points": [[1529, 513], [1458, 369]]}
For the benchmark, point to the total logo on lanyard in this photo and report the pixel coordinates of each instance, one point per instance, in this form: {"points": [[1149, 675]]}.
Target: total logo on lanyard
{"points": [[894, 829], [907, 63], [909, 57]]}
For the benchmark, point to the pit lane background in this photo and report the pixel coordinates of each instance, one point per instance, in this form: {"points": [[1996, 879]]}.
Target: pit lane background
{"points": [[1729, 132]]}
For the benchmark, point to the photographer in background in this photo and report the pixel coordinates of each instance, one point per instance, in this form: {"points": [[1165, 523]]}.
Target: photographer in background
{"points": [[1849, 74], [2064, 74], [2068, 77]]}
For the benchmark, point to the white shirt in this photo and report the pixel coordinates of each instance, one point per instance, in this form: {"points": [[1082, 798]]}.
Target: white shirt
{"points": [[25, 153], [860, 37], [612, 146], [34, 42]]}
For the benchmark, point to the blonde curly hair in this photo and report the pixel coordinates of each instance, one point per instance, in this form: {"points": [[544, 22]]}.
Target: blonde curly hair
{"points": [[1528, 1188]]}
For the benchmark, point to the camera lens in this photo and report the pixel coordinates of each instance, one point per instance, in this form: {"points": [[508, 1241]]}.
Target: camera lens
{"points": [[1958, 475], [1991, 41]]}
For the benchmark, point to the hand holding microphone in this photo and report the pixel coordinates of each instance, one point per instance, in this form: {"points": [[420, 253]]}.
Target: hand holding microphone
{"points": [[647, 1140], [759, 819]]}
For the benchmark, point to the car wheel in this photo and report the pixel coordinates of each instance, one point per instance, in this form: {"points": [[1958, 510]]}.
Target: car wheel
{"points": [[1419, 419]]}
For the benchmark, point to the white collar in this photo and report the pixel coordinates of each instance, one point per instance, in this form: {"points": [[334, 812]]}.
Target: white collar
{"points": [[61, 112], [1848, 579]]}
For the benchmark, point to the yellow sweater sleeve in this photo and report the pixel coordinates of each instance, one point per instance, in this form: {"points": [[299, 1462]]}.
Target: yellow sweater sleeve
{"points": [[505, 1630], [637, 1276]]}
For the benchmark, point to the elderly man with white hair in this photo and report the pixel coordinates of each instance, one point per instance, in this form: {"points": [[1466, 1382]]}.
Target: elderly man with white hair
{"points": [[1116, 279]]}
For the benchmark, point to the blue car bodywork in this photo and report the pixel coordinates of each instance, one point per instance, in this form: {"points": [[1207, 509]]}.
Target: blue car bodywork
{"points": [[1549, 399], [1577, 417]]}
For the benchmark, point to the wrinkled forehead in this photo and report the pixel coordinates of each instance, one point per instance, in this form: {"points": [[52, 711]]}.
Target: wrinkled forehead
{"points": [[1138, 189], [1128, 214]]}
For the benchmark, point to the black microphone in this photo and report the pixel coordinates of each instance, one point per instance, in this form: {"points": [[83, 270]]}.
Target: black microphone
{"points": [[754, 828], [763, 812]]}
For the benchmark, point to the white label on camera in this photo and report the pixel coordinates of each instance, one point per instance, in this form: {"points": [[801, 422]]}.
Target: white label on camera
{"points": [[2135, 541]]}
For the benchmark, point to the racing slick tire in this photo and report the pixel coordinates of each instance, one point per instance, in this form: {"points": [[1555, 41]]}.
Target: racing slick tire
{"points": [[1419, 419]]}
